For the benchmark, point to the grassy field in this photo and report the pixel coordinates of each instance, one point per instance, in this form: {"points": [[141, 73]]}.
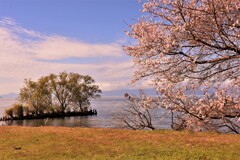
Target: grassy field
{"points": [[56, 143]]}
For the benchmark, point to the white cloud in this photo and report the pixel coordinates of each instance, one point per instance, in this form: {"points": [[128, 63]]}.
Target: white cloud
{"points": [[57, 47], [25, 53]]}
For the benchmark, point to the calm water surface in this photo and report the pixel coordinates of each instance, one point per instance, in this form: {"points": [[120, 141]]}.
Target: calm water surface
{"points": [[106, 108]]}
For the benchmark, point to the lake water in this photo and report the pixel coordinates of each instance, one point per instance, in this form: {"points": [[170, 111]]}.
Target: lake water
{"points": [[106, 108]]}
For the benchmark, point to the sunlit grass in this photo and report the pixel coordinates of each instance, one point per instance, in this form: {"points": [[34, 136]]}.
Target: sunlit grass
{"points": [[84, 143]]}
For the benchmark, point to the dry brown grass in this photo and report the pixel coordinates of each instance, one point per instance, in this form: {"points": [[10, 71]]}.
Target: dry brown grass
{"points": [[85, 143]]}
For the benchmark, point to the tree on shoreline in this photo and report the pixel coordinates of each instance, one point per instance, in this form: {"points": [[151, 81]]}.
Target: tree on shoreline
{"points": [[36, 96], [189, 46], [83, 91], [73, 88], [135, 114], [58, 93], [60, 87]]}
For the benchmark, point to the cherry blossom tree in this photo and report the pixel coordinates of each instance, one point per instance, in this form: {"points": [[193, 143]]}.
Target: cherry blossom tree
{"points": [[136, 114], [190, 50]]}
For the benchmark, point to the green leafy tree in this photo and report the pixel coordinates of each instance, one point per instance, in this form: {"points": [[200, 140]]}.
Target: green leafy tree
{"points": [[83, 91], [73, 88], [58, 93], [36, 96], [61, 89]]}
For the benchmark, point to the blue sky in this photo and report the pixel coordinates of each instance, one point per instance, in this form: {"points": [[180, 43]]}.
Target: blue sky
{"points": [[39, 37], [88, 20]]}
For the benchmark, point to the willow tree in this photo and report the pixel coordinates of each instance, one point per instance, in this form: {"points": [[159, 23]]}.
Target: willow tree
{"points": [[187, 47], [36, 96], [59, 92], [61, 89], [73, 89], [83, 90]]}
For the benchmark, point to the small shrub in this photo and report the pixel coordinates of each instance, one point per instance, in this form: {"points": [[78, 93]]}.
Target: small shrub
{"points": [[18, 110], [9, 112]]}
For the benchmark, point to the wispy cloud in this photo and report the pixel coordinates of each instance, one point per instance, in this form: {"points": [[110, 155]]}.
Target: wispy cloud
{"points": [[25, 53], [6, 21], [58, 47], [11, 25]]}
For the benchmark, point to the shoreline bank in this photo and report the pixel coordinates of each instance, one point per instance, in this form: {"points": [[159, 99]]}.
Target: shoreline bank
{"points": [[50, 115]]}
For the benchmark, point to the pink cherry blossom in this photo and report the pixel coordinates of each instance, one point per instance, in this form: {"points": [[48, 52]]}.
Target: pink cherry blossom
{"points": [[187, 47]]}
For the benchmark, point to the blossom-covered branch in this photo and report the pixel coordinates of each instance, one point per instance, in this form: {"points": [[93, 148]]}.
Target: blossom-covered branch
{"points": [[190, 49]]}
